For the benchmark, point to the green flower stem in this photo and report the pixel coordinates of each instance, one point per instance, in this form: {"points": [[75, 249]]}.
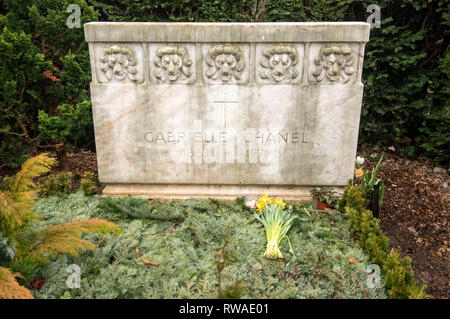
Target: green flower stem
{"points": [[277, 223]]}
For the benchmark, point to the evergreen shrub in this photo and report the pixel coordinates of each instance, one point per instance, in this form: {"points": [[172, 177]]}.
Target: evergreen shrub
{"points": [[396, 270]]}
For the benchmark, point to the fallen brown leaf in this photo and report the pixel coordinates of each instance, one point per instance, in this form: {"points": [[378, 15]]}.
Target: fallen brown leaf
{"points": [[37, 284], [149, 263]]}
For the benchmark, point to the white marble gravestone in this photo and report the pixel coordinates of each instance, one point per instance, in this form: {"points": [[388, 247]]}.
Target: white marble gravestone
{"points": [[225, 110]]}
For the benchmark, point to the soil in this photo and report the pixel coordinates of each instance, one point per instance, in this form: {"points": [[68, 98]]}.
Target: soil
{"points": [[415, 213], [78, 163]]}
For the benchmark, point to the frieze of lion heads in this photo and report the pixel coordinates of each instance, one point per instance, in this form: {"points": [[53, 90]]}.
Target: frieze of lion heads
{"points": [[225, 63], [119, 62], [172, 63], [334, 64], [279, 64]]}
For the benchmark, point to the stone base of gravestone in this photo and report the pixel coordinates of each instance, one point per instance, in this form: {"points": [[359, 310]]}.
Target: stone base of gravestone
{"points": [[290, 193], [225, 110]]}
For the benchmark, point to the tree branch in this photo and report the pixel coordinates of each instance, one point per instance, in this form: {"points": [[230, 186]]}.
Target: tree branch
{"points": [[13, 133], [55, 146], [23, 127]]}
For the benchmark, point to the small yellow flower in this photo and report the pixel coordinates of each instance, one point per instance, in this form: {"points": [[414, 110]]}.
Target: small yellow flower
{"points": [[359, 172], [266, 200], [261, 203], [260, 206]]}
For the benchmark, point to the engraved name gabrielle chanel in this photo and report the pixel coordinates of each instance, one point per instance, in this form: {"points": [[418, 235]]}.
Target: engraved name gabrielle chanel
{"points": [[250, 136]]}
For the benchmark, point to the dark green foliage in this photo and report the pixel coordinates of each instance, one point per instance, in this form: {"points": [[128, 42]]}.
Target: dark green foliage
{"points": [[406, 79], [43, 64], [303, 11], [141, 208], [27, 267], [46, 20], [222, 10], [397, 272], [72, 125], [22, 86], [175, 11]]}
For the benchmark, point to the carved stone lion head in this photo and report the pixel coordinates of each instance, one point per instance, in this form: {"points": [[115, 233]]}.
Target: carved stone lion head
{"points": [[119, 61], [334, 62], [225, 61], [279, 63], [172, 62]]}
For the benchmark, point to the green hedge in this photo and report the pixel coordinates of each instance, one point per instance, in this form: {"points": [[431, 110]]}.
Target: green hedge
{"points": [[44, 79], [44, 65]]}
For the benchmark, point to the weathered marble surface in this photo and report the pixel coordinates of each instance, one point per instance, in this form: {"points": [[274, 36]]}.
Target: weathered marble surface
{"points": [[225, 110]]}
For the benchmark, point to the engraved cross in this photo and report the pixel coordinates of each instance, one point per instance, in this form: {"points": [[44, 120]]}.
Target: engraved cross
{"points": [[225, 102]]}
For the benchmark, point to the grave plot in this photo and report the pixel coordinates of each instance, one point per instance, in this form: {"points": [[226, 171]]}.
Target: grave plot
{"points": [[173, 249]]}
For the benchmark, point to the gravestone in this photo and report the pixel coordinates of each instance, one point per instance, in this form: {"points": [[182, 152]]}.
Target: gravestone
{"points": [[224, 110]]}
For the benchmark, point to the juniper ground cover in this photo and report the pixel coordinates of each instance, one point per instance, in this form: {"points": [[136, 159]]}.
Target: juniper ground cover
{"points": [[203, 249]]}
